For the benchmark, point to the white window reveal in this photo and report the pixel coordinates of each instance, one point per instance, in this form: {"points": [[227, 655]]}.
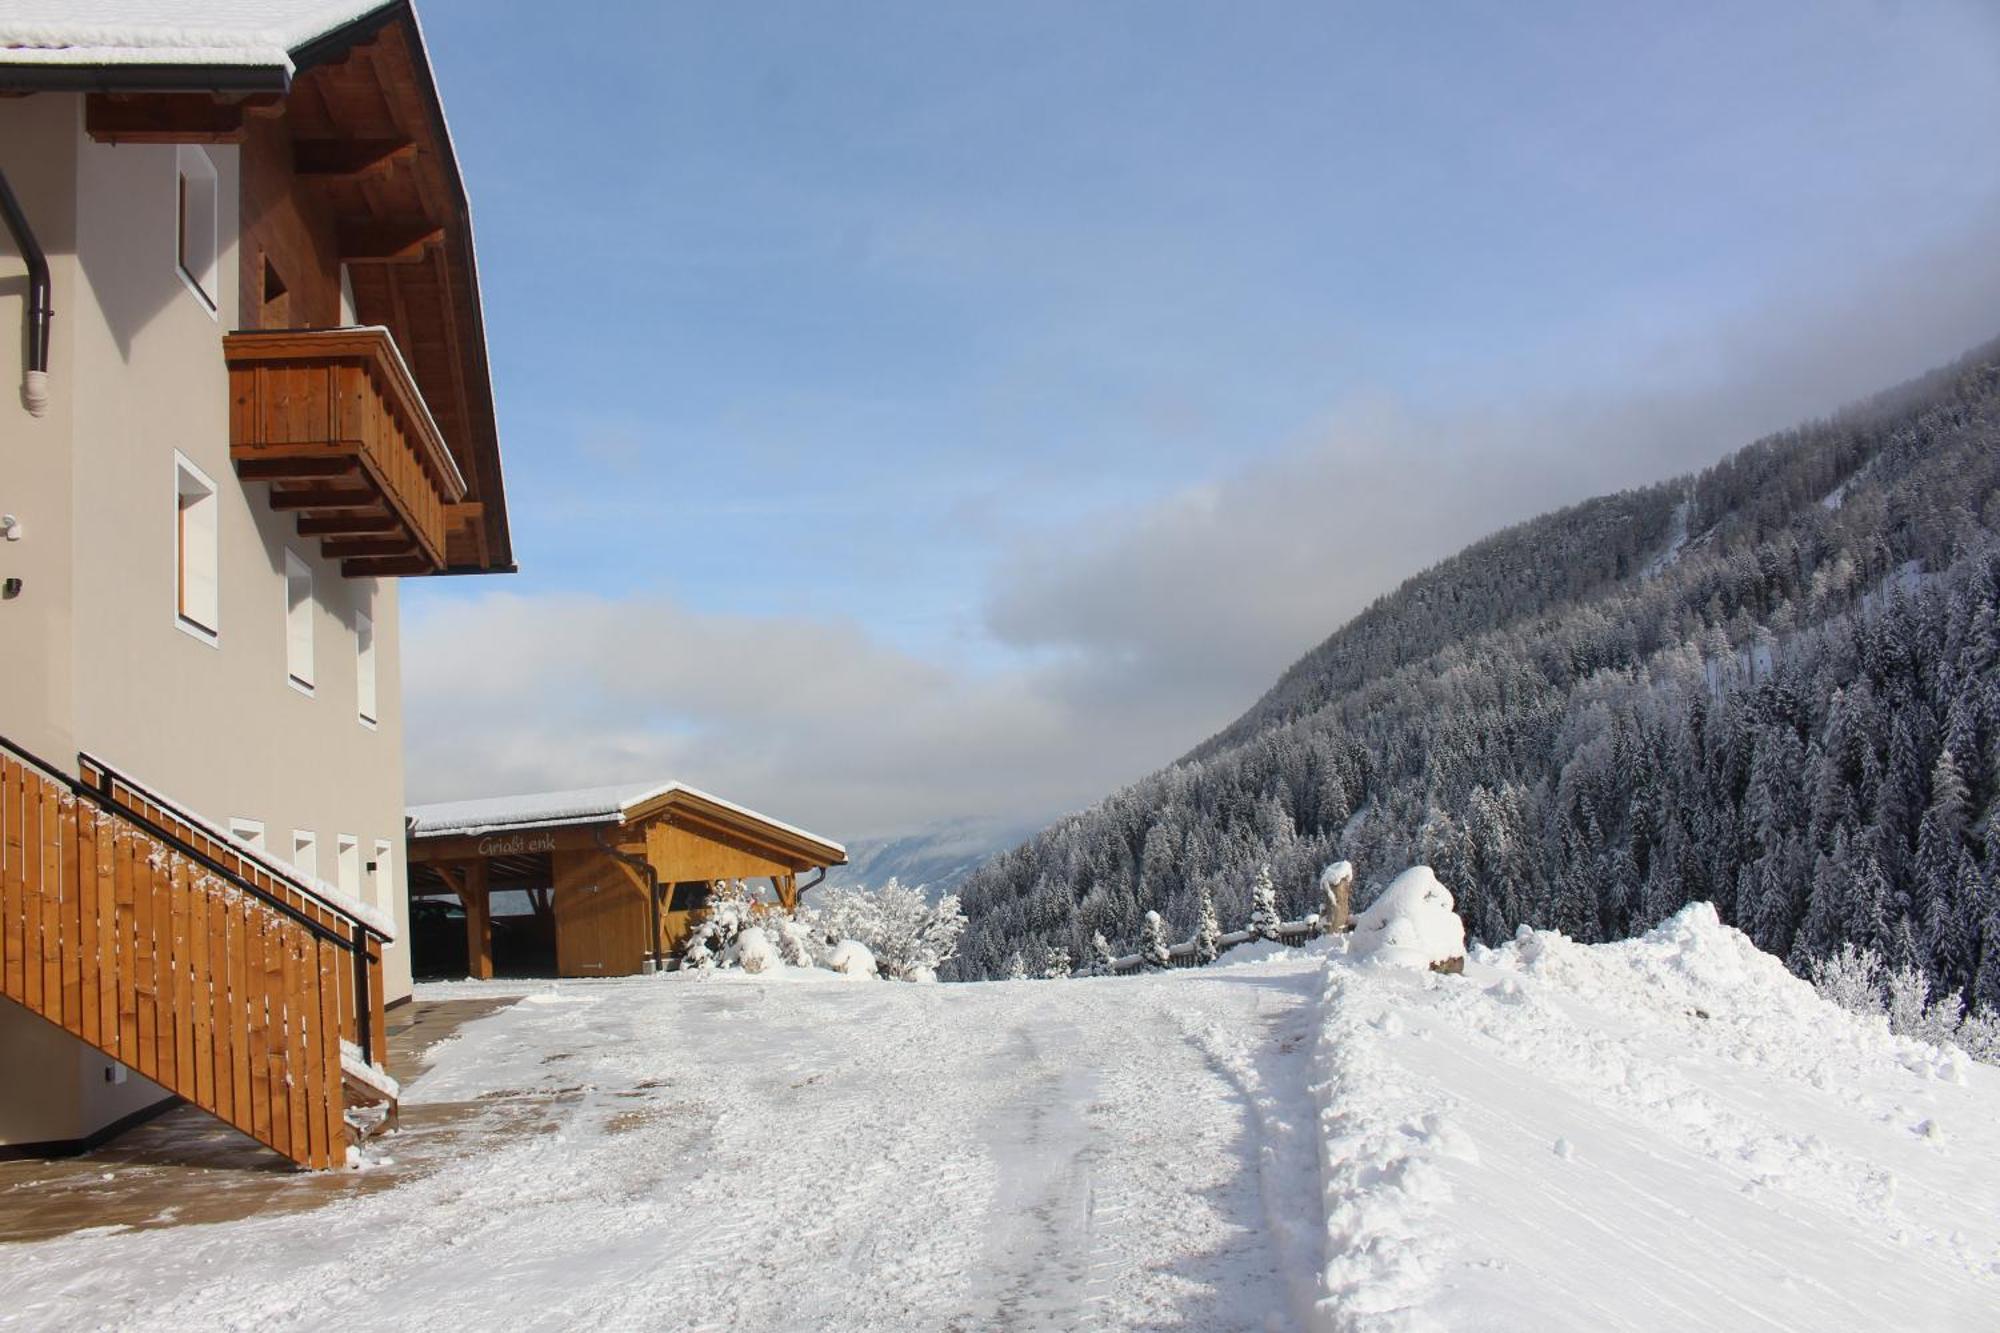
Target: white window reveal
{"points": [[197, 598], [364, 667], [249, 832], [299, 622], [347, 863], [382, 876], [196, 246], [305, 853]]}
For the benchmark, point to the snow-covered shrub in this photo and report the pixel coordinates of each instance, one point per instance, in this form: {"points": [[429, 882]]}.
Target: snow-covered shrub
{"points": [[793, 938], [1264, 905], [755, 952], [1154, 946], [1101, 954], [910, 937], [1411, 925], [1017, 967], [713, 940], [1851, 979], [852, 958], [1057, 966], [1207, 930], [1860, 982]]}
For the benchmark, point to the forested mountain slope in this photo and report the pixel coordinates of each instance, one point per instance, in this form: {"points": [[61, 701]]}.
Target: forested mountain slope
{"points": [[1771, 686]]}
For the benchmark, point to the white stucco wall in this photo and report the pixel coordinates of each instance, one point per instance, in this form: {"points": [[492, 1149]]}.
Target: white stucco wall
{"points": [[95, 659]]}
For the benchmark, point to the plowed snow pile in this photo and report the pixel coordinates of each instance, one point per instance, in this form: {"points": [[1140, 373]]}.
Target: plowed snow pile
{"points": [[1665, 1133]]}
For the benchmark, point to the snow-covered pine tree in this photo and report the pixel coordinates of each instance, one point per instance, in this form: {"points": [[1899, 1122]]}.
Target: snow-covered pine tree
{"points": [[1264, 904], [1057, 967], [1101, 953], [1208, 929], [1153, 942], [1017, 967]]}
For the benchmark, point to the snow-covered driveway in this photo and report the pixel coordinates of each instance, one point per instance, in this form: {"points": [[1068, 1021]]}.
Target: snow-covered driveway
{"points": [[726, 1152]]}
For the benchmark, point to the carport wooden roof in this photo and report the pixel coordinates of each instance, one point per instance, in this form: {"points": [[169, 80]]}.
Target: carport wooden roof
{"points": [[455, 828]]}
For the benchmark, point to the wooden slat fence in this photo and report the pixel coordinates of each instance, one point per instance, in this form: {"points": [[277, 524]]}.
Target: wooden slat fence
{"points": [[136, 929]]}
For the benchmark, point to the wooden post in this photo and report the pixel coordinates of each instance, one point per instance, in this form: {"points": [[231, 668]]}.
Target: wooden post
{"points": [[478, 921]]}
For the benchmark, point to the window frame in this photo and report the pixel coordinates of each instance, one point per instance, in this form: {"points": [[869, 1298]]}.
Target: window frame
{"points": [[306, 841], [186, 471], [367, 696], [194, 167], [249, 832], [298, 568]]}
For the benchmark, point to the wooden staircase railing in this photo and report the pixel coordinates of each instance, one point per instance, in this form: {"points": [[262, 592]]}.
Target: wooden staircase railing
{"points": [[225, 978]]}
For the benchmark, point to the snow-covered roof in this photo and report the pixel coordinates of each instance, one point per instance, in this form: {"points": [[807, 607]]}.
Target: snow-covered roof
{"points": [[581, 805], [170, 32]]}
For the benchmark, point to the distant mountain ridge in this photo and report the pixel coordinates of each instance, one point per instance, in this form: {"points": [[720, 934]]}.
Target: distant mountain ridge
{"points": [[1770, 685], [936, 859]]}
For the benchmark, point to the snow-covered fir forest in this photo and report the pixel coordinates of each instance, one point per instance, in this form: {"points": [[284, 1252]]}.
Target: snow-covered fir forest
{"points": [[1770, 686]]}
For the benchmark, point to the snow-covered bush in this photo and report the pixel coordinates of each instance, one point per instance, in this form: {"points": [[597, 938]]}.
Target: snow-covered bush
{"points": [[910, 937], [1057, 966], [1017, 967], [1264, 905], [1207, 930], [1860, 982], [1101, 954], [714, 938], [1411, 925], [1154, 945], [755, 951], [852, 958]]}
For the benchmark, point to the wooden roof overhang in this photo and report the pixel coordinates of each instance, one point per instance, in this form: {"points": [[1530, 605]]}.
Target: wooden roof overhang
{"points": [[367, 134], [718, 821]]}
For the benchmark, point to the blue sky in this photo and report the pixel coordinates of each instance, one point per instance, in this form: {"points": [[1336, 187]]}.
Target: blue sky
{"points": [[926, 410]]}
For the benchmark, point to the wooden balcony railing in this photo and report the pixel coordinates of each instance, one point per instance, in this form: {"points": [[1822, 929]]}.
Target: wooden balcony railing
{"points": [[333, 419], [224, 979]]}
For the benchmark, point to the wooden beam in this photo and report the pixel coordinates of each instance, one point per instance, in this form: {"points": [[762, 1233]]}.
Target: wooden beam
{"points": [[161, 118], [478, 921], [386, 566], [325, 497], [295, 468], [340, 548], [391, 242], [348, 159], [348, 524]]}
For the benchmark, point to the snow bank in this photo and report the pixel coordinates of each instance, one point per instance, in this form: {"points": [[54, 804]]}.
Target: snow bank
{"points": [[1411, 925], [1669, 1131]]}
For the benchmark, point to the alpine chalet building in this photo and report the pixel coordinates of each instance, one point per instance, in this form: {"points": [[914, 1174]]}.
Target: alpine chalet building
{"points": [[248, 394]]}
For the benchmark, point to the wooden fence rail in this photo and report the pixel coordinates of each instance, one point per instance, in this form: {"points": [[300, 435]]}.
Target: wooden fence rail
{"points": [[135, 929]]}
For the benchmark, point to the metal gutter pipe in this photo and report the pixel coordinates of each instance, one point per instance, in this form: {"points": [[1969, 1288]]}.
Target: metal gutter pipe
{"points": [[35, 389]]}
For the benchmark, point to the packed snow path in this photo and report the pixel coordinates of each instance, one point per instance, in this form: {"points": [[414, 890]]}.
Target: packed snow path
{"points": [[737, 1153]]}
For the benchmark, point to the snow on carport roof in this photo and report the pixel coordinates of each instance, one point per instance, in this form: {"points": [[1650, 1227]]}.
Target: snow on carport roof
{"points": [[170, 32], [582, 805]]}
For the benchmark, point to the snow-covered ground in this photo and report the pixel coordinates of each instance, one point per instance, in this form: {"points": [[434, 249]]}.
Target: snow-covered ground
{"points": [[1669, 1133], [792, 1154], [1666, 1133]]}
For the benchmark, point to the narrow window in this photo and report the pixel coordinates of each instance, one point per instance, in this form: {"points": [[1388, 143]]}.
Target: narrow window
{"points": [[382, 876], [305, 853], [364, 667], [195, 583], [347, 863], [195, 223], [250, 832], [299, 622]]}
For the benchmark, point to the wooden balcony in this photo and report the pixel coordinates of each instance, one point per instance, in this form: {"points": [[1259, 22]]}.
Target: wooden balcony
{"points": [[334, 421]]}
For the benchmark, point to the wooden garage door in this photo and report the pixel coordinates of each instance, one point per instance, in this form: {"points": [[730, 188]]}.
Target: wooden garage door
{"points": [[600, 917]]}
